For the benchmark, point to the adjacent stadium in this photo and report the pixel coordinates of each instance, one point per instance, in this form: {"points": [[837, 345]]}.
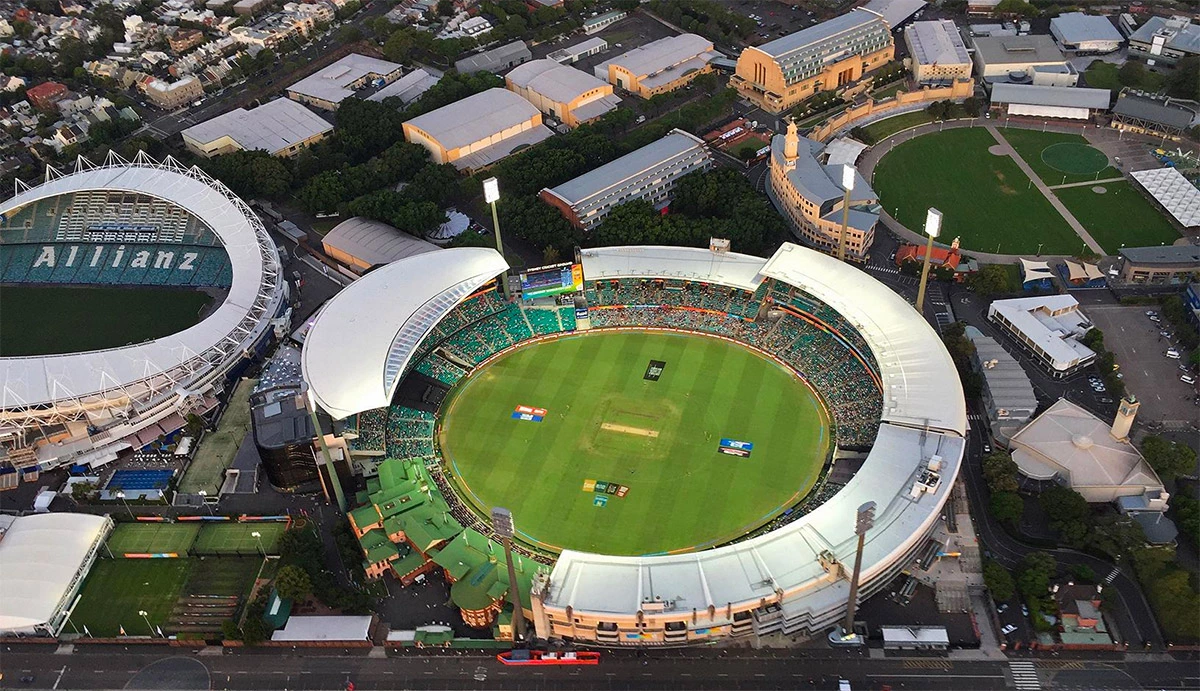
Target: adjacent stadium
{"points": [[151, 287], [684, 436]]}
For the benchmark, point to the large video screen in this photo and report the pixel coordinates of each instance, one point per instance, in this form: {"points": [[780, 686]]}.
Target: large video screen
{"points": [[555, 279]]}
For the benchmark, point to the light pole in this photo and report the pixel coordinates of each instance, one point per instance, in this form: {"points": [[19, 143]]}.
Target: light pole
{"points": [[864, 522], [491, 194], [121, 496], [848, 186], [204, 500], [502, 523], [933, 226], [258, 538], [146, 616]]}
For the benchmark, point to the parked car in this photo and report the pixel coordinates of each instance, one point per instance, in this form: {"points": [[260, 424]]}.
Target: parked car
{"points": [[1151, 313], [1024, 610], [1002, 608], [1105, 399], [1172, 353], [1187, 379], [1008, 629]]}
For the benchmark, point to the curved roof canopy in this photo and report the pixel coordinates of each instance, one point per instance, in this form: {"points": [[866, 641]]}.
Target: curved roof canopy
{"points": [[42, 555], [365, 336], [28, 381]]}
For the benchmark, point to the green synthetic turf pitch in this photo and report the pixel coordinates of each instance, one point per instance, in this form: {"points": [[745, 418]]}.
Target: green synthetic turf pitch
{"points": [[987, 201], [1119, 216], [238, 538], [1058, 157], [141, 538], [49, 320], [605, 422], [117, 589]]}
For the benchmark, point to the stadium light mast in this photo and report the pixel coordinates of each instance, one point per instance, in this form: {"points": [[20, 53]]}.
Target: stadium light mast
{"points": [[848, 186], [502, 523], [121, 496], [933, 227], [864, 521], [258, 538], [491, 194], [334, 480]]}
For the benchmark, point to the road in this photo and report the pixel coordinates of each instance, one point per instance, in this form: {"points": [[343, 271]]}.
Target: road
{"points": [[109, 667]]}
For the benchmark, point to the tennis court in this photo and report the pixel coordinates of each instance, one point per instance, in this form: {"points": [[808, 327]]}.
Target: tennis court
{"points": [[239, 538], [152, 538]]}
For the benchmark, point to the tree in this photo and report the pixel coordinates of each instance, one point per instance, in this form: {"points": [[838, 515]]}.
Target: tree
{"points": [[1169, 459], [230, 631], [251, 173], [1132, 74], [445, 8], [998, 580], [1000, 472], [1015, 8], [991, 279], [972, 106], [1035, 572], [1187, 517], [1184, 80], [1083, 573], [1094, 339], [293, 583], [349, 34], [1068, 514], [1007, 507]]}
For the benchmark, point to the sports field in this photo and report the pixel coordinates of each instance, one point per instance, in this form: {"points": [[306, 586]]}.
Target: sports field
{"points": [[1059, 158], [48, 320], [1118, 216], [624, 463], [238, 538], [987, 201], [117, 589], [153, 538]]}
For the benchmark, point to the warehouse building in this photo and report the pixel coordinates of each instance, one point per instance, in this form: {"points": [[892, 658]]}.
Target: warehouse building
{"points": [[1008, 395], [495, 60], [649, 173], [1085, 33], [602, 22], [561, 91], [281, 128], [46, 558], [1066, 102], [1163, 41], [780, 74], [807, 190], [938, 53], [573, 54], [407, 88], [1049, 328], [659, 66], [478, 130], [328, 87], [1152, 116], [1172, 265], [362, 243], [1022, 59]]}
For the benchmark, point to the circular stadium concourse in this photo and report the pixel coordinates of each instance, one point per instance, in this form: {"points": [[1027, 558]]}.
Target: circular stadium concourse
{"points": [[393, 351], [146, 225]]}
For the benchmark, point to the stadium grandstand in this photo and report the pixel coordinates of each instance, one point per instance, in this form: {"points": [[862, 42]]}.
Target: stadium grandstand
{"points": [[425, 323], [129, 224]]}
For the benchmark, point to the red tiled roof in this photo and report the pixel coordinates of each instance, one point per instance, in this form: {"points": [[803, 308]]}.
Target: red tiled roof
{"points": [[940, 256]]}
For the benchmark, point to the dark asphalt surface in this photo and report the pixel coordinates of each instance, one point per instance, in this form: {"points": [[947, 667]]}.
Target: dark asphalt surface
{"points": [[112, 667]]}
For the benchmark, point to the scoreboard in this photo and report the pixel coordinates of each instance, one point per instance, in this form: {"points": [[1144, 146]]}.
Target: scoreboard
{"points": [[555, 279]]}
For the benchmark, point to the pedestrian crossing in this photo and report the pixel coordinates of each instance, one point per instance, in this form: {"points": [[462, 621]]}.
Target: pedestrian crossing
{"points": [[1112, 576], [883, 269], [1025, 676]]}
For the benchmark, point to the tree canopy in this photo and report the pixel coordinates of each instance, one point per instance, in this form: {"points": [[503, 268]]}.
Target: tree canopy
{"points": [[1169, 459]]}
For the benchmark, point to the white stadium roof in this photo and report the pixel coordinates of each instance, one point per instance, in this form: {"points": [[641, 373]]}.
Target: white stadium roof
{"points": [[924, 416], [1176, 193], [253, 296], [388, 312], [42, 555]]}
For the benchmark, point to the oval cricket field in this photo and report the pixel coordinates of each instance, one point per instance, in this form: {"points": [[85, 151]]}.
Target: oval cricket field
{"points": [[634, 442]]}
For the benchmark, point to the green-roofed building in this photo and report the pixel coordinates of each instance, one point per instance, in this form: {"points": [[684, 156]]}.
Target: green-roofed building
{"points": [[378, 552], [475, 566], [365, 518]]}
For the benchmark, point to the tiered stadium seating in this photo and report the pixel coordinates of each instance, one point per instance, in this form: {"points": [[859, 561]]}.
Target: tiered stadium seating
{"points": [[566, 319], [371, 426], [543, 321], [409, 432], [441, 369]]}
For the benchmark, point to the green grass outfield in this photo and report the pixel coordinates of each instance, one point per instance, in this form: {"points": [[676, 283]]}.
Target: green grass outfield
{"points": [[606, 422], [237, 538], [48, 320], [1120, 216], [1031, 144], [117, 589], [141, 538], [987, 201]]}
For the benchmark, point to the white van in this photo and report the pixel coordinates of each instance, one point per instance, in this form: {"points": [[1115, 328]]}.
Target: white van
{"points": [[1173, 354], [1187, 379]]}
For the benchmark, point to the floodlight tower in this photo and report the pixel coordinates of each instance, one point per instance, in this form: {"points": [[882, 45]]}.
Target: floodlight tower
{"points": [[502, 523], [491, 194], [848, 186], [933, 226], [864, 521]]}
